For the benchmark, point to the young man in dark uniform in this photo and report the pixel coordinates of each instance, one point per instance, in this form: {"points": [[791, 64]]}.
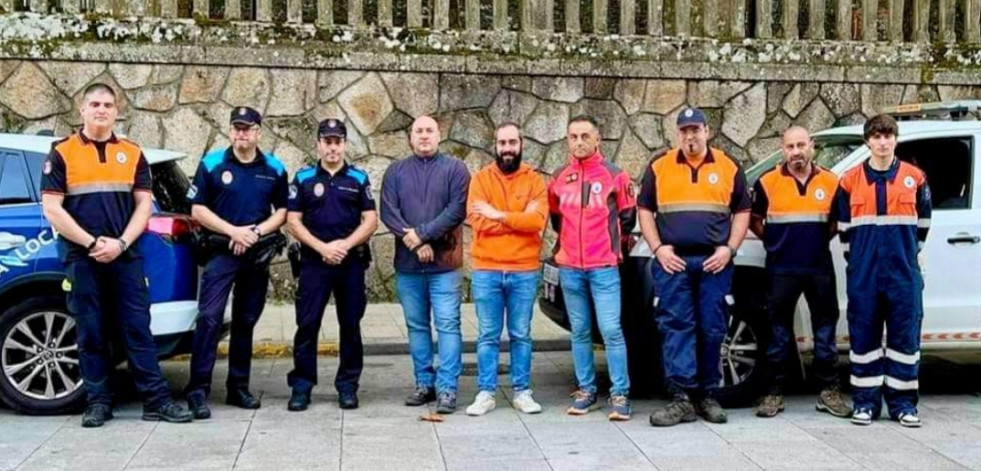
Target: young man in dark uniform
{"points": [[332, 213], [97, 193]]}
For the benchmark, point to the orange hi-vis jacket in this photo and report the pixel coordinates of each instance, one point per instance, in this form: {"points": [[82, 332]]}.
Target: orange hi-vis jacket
{"points": [[515, 243]]}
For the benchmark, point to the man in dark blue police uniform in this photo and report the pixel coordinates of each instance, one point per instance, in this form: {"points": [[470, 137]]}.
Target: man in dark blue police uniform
{"points": [[240, 193], [332, 214]]}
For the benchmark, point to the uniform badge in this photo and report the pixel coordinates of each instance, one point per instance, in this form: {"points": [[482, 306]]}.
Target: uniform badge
{"points": [[332, 123], [121, 157], [241, 111], [596, 188], [689, 112], [571, 178], [226, 177], [631, 191], [293, 192], [318, 190], [909, 182], [367, 191], [47, 167], [192, 191], [819, 194], [713, 178]]}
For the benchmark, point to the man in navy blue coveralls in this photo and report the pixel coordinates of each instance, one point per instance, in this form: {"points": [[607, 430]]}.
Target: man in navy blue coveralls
{"points": [[332, 213], [241, 193]]}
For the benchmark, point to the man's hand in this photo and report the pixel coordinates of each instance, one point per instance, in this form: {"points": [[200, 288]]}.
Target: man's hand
{"points": [[244, 236], [237, 249], [718, 261], [411, 239], [106, 250], [333, 253], [486, 210], [669, 261], [425, 254]]}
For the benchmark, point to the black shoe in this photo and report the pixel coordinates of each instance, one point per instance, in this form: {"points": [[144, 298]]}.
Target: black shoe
{"points": [[96, 415], [169, 412], [198, 407], [446, 403], [347, 401], [299, 400], [242, 398], [421, 396]]}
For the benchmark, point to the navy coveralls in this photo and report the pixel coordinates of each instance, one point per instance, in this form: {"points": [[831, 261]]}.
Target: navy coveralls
{"points": [[98, 180], [331, 206], [884, 218], [242, 195]]}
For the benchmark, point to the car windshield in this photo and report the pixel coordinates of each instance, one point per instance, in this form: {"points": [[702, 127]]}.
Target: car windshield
{"points": [[170, 187], [828, 151]]}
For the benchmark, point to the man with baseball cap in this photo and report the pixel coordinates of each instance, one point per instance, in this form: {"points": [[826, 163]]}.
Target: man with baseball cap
{"points": [[332, 214], [699, 197], [239, 193]]}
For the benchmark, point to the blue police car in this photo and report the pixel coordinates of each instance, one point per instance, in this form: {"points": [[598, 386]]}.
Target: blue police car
{"points": [[39, 370]]}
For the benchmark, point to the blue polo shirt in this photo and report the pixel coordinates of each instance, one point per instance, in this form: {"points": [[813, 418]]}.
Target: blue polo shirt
{"points": [[331, 205], [241, 194]]}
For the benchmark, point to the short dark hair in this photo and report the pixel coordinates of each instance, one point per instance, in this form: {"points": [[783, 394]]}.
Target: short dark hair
{"points": [[509, 124], [99, 87], [585, 119], [880, 124]]}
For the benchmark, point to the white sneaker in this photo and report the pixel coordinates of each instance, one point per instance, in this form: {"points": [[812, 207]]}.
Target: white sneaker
{"points": [[909, 419], [862, 417], [482, 404], [525, 402]]}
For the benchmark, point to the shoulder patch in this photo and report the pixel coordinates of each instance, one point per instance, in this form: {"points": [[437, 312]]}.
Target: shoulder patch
{"points": [[212, 159], [274, 162], [360, 175], [305, 174]]}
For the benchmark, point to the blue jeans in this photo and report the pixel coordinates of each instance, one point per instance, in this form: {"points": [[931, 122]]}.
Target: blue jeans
{"points": [[582, 289], [493, 293], [420, 293]]}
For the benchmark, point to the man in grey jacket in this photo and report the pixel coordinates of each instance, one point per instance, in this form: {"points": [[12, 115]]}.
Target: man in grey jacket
{"points": [[424, 199]]}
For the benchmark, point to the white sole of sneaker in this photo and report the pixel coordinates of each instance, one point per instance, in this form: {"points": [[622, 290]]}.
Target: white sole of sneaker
{"points": [[861, 421], [574, 411], [480, 413], [614, 417]]}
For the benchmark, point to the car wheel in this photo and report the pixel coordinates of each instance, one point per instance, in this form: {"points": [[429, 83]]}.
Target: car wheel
{"points": [[743, 354], [39, 358]]}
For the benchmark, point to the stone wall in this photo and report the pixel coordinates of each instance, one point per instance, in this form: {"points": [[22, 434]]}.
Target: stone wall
{"points": [[185, 107]]}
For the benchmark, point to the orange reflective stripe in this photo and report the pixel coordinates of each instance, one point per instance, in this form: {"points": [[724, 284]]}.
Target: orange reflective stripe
{"points": [[712, 190]]}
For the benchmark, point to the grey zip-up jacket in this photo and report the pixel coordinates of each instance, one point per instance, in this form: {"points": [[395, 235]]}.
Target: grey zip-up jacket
{"points": [[430, 196]]}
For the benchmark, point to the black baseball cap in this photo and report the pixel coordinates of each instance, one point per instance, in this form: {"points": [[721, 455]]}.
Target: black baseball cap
{"points": [[332, 128], [691, 117], [245, 115]]}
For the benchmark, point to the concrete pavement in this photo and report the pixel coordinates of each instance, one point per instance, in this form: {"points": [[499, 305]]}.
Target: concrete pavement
{"points": [[385, 435]]}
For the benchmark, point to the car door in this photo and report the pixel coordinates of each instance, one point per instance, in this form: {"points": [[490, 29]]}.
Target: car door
{"points": [[951, 257], [20, 217]]}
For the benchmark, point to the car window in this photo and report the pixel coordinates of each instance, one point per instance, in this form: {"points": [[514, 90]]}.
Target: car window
{"points": [[170, 187], [948, 166], [14, 186], [828, 151], [34, 162]]}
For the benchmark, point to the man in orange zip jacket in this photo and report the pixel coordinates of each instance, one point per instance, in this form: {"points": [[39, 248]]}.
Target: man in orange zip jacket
{"points": [[507, 208]]}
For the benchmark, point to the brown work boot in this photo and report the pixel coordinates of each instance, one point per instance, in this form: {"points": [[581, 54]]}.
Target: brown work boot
{"points": [[679, 410], [770, 406], [710, 410], [832, 402]]}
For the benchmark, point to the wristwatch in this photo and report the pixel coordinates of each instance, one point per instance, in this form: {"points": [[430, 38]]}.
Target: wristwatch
{"points": [[257, 231], [732, 251], [122, 244], [92, 245]]}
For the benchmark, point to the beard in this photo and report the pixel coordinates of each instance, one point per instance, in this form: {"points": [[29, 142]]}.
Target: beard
{"points": [[798, 164], [508, 166]]}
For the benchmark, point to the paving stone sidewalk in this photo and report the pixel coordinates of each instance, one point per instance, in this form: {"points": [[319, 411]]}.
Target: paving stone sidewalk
{"points": [[385, 435], [383, 330]]}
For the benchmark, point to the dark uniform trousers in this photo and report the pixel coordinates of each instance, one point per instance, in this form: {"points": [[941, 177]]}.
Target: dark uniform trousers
{"points": [[822, 300], [102, 296], [250, 281], [317, 281]]}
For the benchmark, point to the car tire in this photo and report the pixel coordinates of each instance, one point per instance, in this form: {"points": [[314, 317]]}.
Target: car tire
{"points": [[39, 370], [743, 357]]}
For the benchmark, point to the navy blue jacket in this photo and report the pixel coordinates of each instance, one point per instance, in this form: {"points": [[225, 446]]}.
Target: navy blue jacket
{"points": [[430, 196]]}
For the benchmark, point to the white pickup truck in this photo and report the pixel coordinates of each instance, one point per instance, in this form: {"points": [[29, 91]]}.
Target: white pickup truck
{"points": [[946, 149]]}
